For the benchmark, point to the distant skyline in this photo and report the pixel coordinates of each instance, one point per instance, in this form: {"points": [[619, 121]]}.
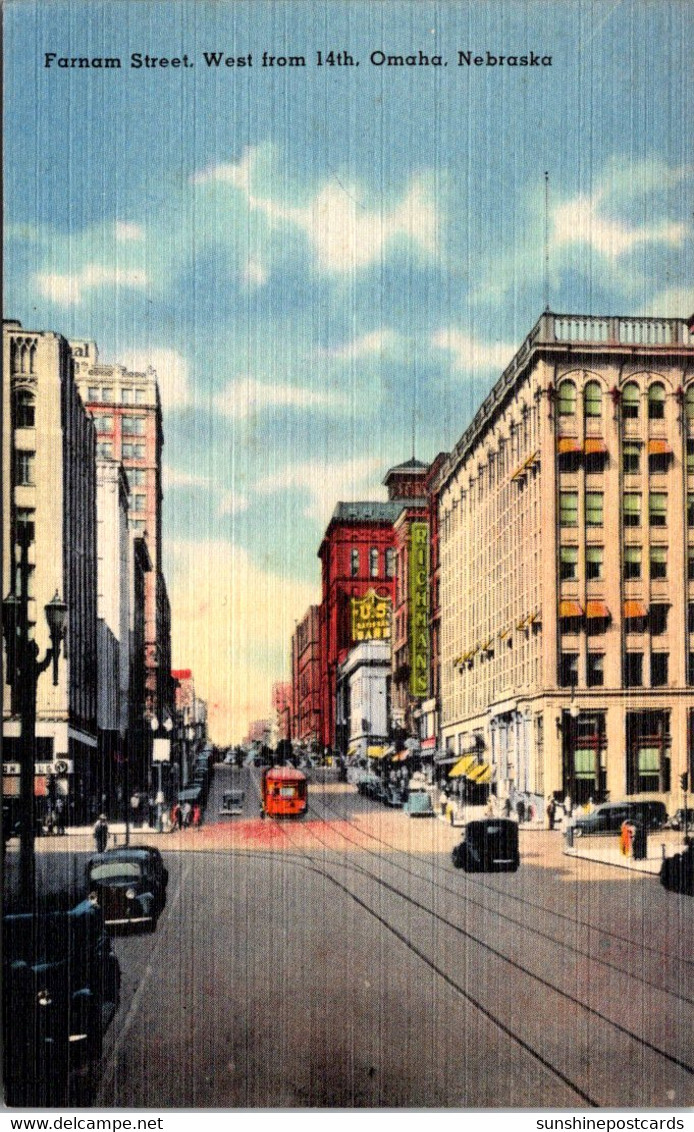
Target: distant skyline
{"points": [[308, 255]]}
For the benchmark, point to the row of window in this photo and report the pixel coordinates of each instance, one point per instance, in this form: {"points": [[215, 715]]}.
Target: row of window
{"points": [[107, 393], [129, 450], [130, 426], [631, 508], [373, 561], [632, 675], [630, 400], [595, 562]]}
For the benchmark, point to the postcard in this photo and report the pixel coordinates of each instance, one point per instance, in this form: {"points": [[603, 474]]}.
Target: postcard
{"points": [[348, 558]]}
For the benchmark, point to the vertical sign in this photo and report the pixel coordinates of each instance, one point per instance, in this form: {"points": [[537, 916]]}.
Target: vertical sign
{"points": [[419, 609]]}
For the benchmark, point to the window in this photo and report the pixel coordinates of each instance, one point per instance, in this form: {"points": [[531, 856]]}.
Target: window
{"points": [[137, 524], [133, 451], [690, 457], [690, 509], [104, 423], [659, 669], [689, 402], [656, 402], [126, 396], [633, 670], [24, 409], [568, 670], [592, 399], [107, 393], [657, 619], [632, 562], [567, 399], [568, 563], [631, 509], [658, 563], [657, 509], [24, 468], [373, 562], [25, 526], [139, 396], [594, 562], [104, 450], [690, 563], [354, 563], [690, 669], [631, 458], [93, 393], [594, 500], [630, 401], [568, 508], [648, 751], [133, 426], [138, 502], [136, 477], [596, 670], [390, 562]]}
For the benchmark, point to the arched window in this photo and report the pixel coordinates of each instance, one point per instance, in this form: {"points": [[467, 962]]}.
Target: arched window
{"points": [[354, 563], [630, 401], [390, 562], [656, 402], [24, 409], [567, 399], [689, 402], [592, 399], [373, 562]]}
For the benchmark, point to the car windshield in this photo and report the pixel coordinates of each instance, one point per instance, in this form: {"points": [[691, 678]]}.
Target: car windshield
{"points": [[115, 870]]}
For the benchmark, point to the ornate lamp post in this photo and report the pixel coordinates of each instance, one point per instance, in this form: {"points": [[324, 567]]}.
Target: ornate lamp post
{"points": [[23, 671]]}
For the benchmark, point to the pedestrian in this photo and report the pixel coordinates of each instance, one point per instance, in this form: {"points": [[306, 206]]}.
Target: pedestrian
{"points": [[176, 816], [530, 812], [197, 816], [568, 806], [135, 807], [101, 833], [520, 810], [186, 813], [59, 812], [551, 811], [507, 807]]}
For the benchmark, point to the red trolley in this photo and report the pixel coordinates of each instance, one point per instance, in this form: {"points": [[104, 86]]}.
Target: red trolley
{"points": [[283, 792]]}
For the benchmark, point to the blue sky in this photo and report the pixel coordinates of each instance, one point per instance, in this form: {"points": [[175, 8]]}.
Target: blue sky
{"points": [[309, 256]]}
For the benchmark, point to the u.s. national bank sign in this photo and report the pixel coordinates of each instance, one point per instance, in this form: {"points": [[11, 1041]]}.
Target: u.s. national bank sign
{"points": [[371, 617], [419, 609]]}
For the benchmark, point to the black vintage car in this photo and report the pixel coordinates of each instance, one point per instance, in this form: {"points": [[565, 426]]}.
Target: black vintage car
{"points": [[677, 872], [129, 884], [61, 986], [488, 845]]}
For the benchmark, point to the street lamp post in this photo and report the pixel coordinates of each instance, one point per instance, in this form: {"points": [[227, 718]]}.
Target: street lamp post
{"points": [[23, 671]]}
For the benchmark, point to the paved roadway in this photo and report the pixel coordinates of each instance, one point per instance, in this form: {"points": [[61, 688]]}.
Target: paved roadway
{"points": [[342, 961]]}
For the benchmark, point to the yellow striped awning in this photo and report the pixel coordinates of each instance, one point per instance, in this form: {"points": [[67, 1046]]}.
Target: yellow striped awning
{"points": [[462, 766], [376, 752], [480, 774]]}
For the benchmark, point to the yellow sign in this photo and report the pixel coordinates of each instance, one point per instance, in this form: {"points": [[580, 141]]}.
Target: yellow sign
{"points": [[370, 617], [419, 609]]}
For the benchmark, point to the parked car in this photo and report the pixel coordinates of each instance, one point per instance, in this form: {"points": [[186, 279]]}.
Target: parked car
{"points": [[61, 987], [419, 804], [677, 820], [129, 884], [609, 816], [368, 783], [394, 796], [488, 845], [232, 803], [677, 872]]}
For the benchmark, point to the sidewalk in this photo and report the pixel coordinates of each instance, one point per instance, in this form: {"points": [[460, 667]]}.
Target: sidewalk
{"points": [[605, 850]]}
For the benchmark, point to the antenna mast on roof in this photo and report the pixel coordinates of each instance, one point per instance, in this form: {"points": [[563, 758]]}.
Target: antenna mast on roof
{"points": [[546, 241]]}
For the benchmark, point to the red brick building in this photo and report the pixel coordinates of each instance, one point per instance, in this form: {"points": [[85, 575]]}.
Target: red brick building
{"points": [[358, 562], [306, 682]]}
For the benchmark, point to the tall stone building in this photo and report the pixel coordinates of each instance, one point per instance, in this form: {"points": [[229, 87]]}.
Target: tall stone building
{"points": [[566, 522], [49, 502]]}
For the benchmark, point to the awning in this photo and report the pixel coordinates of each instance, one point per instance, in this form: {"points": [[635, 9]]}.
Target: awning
{"points": [[597, 611], [462, 766], [570, 609], [659, 448], [595, 446], [376, 752], [567, 445], [480, 774], [634, 609], [399, 757]]}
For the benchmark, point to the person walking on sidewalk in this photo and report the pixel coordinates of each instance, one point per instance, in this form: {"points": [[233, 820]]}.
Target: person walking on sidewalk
{"points": [[101, 833]]}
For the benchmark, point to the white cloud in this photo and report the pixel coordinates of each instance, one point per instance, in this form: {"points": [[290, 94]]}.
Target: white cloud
{"points": [[68, 290], [472, 355], [377, 342], [175, 477], [233, 503], [254, 274], [246, 396], [127, 232], [172, 373], [674, 302], [325, 485], [345, 233], [232, 623], [578, 221]]}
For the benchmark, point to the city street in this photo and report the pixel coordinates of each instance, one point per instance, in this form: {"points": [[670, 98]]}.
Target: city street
{"points": [[342, 961]]}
